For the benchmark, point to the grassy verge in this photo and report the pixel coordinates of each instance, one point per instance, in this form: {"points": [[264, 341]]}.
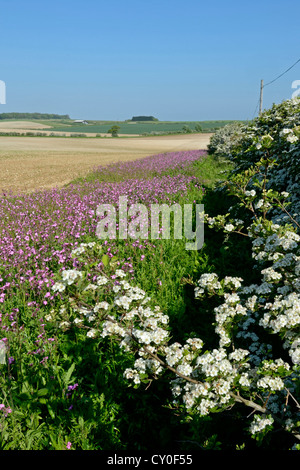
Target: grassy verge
{"points": [[58, 388]]}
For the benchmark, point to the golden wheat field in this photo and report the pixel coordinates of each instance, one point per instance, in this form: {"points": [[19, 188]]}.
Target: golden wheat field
{"points": [[23, 126], [35, 163]]}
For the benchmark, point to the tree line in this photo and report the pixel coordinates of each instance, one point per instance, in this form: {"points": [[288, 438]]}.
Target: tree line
{"points": [[33, 116], [144, 118]]}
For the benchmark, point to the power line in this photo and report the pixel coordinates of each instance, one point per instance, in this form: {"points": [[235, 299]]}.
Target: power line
{"points": [[262, 86], [272, 81]]}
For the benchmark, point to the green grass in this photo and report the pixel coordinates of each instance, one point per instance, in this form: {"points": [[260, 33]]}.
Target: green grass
{"points": [[140, 127]]}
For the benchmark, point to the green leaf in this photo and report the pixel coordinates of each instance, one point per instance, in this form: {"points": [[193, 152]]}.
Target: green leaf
{"points": [[42, 392], [67, 375], [25, 396], [105, 260], [51, 412]]}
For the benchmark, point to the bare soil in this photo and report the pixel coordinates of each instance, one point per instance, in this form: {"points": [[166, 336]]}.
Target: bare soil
{"points": [[28, 164]]}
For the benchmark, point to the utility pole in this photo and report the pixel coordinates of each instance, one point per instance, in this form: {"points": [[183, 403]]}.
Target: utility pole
{"points": [[261, 96]]}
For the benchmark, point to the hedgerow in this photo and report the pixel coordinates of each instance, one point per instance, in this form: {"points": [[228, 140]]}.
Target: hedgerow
{"points": [[275, 134], [225, 138]]}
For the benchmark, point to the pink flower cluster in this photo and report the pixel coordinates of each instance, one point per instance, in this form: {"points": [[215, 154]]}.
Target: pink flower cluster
{"points": [[5, 410], [38, 231], [152, 165]]}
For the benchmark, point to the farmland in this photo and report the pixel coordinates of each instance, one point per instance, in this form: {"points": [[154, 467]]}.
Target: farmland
{"points": [[30, 163], [141, 128], [137, 343], [101, 128]]}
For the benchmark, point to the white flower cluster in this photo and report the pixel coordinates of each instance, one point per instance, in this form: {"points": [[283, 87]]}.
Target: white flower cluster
{"points": [[101, 306], [139, 326], [180, 357], [217, 372], [69, 276], [58, 287], [274, 366], [259, 423], [142, 367], [208, 282], [251, 193], [101, 280], [271, 275], [229, 228], [81, 249], [289, 135], [225, 313], [294, 350], [132, 294], [280, 282], [271, 383], [232, 283], [283, 315], [220, 221], [262, 205], [112, 328]]}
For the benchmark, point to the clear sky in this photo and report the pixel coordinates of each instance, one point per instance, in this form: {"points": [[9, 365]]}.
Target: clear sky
{"points": [[172, 59]]}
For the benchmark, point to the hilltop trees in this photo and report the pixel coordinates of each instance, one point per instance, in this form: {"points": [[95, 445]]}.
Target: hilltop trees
{"points": [[144, 118]]}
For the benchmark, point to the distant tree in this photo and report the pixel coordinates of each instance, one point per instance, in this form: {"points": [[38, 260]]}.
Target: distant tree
{"points": [[186, 129], [114, 131], [144, 118], [198, 128]]}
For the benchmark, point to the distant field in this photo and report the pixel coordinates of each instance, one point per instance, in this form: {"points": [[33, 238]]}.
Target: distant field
{"points": [[31, 163], [138, 127], [30, 125], [102, 127]]}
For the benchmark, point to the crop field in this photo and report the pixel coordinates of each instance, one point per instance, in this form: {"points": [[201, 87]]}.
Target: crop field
{"points": [[101, 128], [31, 163], [27, 125], [142, 127], [117, 331]]}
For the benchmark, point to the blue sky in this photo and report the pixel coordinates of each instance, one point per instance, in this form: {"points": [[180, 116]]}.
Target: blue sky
{"points": [[176, 60]]}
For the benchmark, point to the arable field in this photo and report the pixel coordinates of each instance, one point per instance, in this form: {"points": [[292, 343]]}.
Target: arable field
{"points": [[140, 127], [93, 128], [26, 125], [31, 163]]}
